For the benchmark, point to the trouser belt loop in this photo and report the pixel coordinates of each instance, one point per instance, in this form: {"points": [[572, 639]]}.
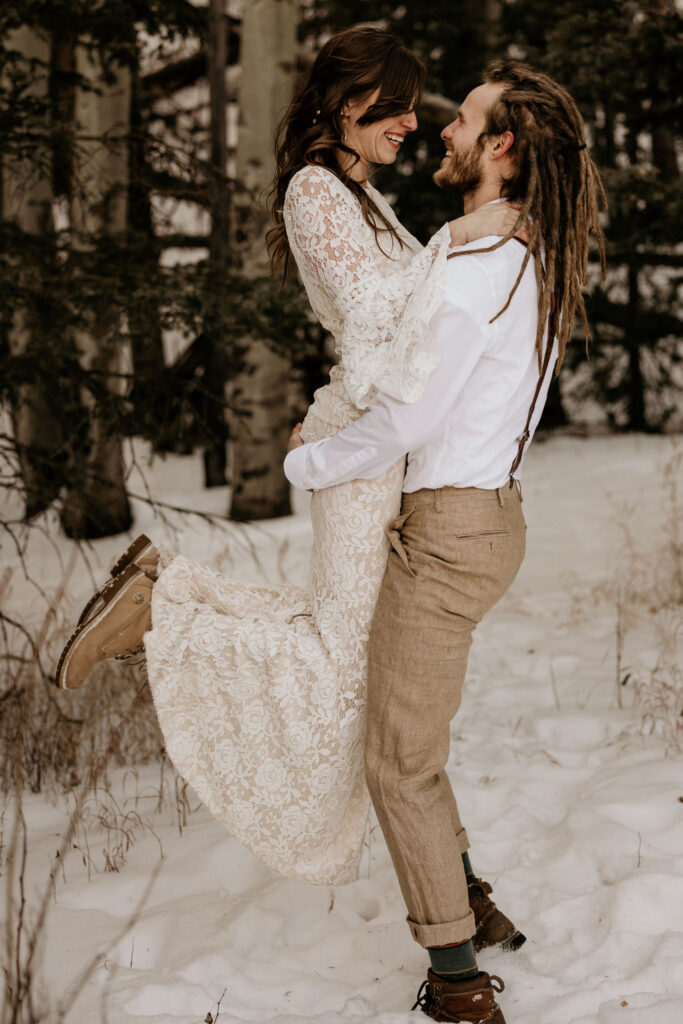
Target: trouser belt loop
{"points": [[514, 482], [499, 496], [437, 499]]}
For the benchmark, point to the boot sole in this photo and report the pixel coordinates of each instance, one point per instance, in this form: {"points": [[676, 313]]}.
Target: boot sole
{"points": [[510, 943], [109, 595], [133, 551], [514, 942]]}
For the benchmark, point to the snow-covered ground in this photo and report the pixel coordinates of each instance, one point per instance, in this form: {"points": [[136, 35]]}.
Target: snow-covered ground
{"points": [[573, 804]]}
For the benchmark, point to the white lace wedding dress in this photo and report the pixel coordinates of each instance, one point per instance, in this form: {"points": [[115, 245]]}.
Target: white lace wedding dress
{"points": [[260, 691]]}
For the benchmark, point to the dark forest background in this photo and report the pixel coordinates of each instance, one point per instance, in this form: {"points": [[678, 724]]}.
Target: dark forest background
{"points": [[135, 297]]}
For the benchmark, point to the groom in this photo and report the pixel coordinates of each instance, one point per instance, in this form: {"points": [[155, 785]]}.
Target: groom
{"points": [[507, 314]]}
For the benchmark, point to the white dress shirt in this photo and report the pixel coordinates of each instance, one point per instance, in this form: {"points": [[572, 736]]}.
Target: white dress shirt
{"points": [[464, 430]]}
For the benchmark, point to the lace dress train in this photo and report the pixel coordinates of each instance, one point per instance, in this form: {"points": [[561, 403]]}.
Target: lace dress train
{"points": [[260, 690]]}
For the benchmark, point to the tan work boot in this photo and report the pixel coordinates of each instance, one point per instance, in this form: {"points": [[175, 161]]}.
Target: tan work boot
{"points": [[114, 630], [472, 1001], [493, 927], [143, 553]]}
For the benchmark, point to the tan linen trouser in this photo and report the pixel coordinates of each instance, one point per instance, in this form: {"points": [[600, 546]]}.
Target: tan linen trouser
{"points": [[454, 554]]}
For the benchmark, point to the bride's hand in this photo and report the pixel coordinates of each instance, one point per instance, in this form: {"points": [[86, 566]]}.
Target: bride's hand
{"points": [[492, 219], [295, 439]]}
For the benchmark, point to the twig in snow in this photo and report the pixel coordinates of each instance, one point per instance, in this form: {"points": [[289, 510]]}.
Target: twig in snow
{"points": [[553, 683], [619, 644], [210, 1019]]}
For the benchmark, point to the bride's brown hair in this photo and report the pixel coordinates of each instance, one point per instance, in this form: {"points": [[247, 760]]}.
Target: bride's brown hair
{"points": [[351, 65]]}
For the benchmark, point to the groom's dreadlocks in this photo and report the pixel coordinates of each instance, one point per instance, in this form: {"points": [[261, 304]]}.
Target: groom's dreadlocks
{"points": [[559, 187]]}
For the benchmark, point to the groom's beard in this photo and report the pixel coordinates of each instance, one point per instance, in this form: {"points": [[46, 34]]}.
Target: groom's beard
{"points": [[461, 172]]}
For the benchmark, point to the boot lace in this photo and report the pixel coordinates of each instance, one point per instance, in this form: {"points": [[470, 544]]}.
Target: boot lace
{"points": [[424, 999]]}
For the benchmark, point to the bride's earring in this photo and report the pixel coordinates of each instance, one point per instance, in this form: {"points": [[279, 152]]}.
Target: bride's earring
{"points": [[343, 133]]}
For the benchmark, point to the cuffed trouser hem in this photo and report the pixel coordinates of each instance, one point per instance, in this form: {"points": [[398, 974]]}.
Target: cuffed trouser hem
{"points": [[443, 934], [463, 843]]}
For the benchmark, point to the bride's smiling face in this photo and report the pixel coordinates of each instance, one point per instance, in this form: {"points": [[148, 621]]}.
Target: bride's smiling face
{"points": [[378, 142]]}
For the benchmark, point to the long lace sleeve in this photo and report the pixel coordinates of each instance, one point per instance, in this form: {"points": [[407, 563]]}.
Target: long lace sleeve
{"points": [[384, 341]]}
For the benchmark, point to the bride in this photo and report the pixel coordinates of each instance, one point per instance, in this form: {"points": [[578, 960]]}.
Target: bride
{"points": [[260, 691]]}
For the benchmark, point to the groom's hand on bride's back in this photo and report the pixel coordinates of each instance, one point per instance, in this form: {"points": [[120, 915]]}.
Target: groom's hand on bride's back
{"points": [[295, 438]]}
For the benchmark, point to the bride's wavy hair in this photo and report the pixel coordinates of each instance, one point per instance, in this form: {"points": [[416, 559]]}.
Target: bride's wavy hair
{"points": [[351, 65]]}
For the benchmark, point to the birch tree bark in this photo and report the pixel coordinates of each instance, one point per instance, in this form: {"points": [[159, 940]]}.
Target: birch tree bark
{"points": [[96, 503], [26, 202], [261, 427]]}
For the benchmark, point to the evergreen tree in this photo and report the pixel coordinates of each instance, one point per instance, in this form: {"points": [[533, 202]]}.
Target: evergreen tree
{"points": [[89, 135]]}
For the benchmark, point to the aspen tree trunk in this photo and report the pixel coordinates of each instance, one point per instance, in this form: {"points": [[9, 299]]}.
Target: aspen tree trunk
{"points": [[664, 155], [96, 503], [26, 201], [215, 370], [636, 391], [268, 61], [664, 158], [144, 321]]}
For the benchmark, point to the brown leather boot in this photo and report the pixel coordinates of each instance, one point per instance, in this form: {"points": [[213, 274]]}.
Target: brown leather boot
{"points": [[114, 630], [493, 927], [472, 1001]]}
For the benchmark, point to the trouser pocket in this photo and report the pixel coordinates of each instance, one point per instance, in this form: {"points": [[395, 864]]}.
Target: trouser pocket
{"points": [[394, 535]]}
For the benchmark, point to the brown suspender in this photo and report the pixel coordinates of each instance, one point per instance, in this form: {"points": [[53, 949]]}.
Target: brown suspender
{"points": [[546, 360], [525, 436]]}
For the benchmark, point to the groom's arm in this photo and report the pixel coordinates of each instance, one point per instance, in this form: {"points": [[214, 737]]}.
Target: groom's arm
{"points": [[390, 428]]}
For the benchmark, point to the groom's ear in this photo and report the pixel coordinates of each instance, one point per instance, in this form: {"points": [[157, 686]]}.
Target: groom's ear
{"points": [[502, 145]]}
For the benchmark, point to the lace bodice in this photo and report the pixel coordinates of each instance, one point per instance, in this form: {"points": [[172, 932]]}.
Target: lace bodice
{"points": [[377, 304]]}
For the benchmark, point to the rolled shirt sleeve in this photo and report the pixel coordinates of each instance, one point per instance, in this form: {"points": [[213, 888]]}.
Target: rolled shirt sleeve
{"points": [[390, 428]]}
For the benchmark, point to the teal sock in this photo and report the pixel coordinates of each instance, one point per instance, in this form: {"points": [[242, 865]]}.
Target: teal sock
{"points": [[454, 963], [469, 870]]}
